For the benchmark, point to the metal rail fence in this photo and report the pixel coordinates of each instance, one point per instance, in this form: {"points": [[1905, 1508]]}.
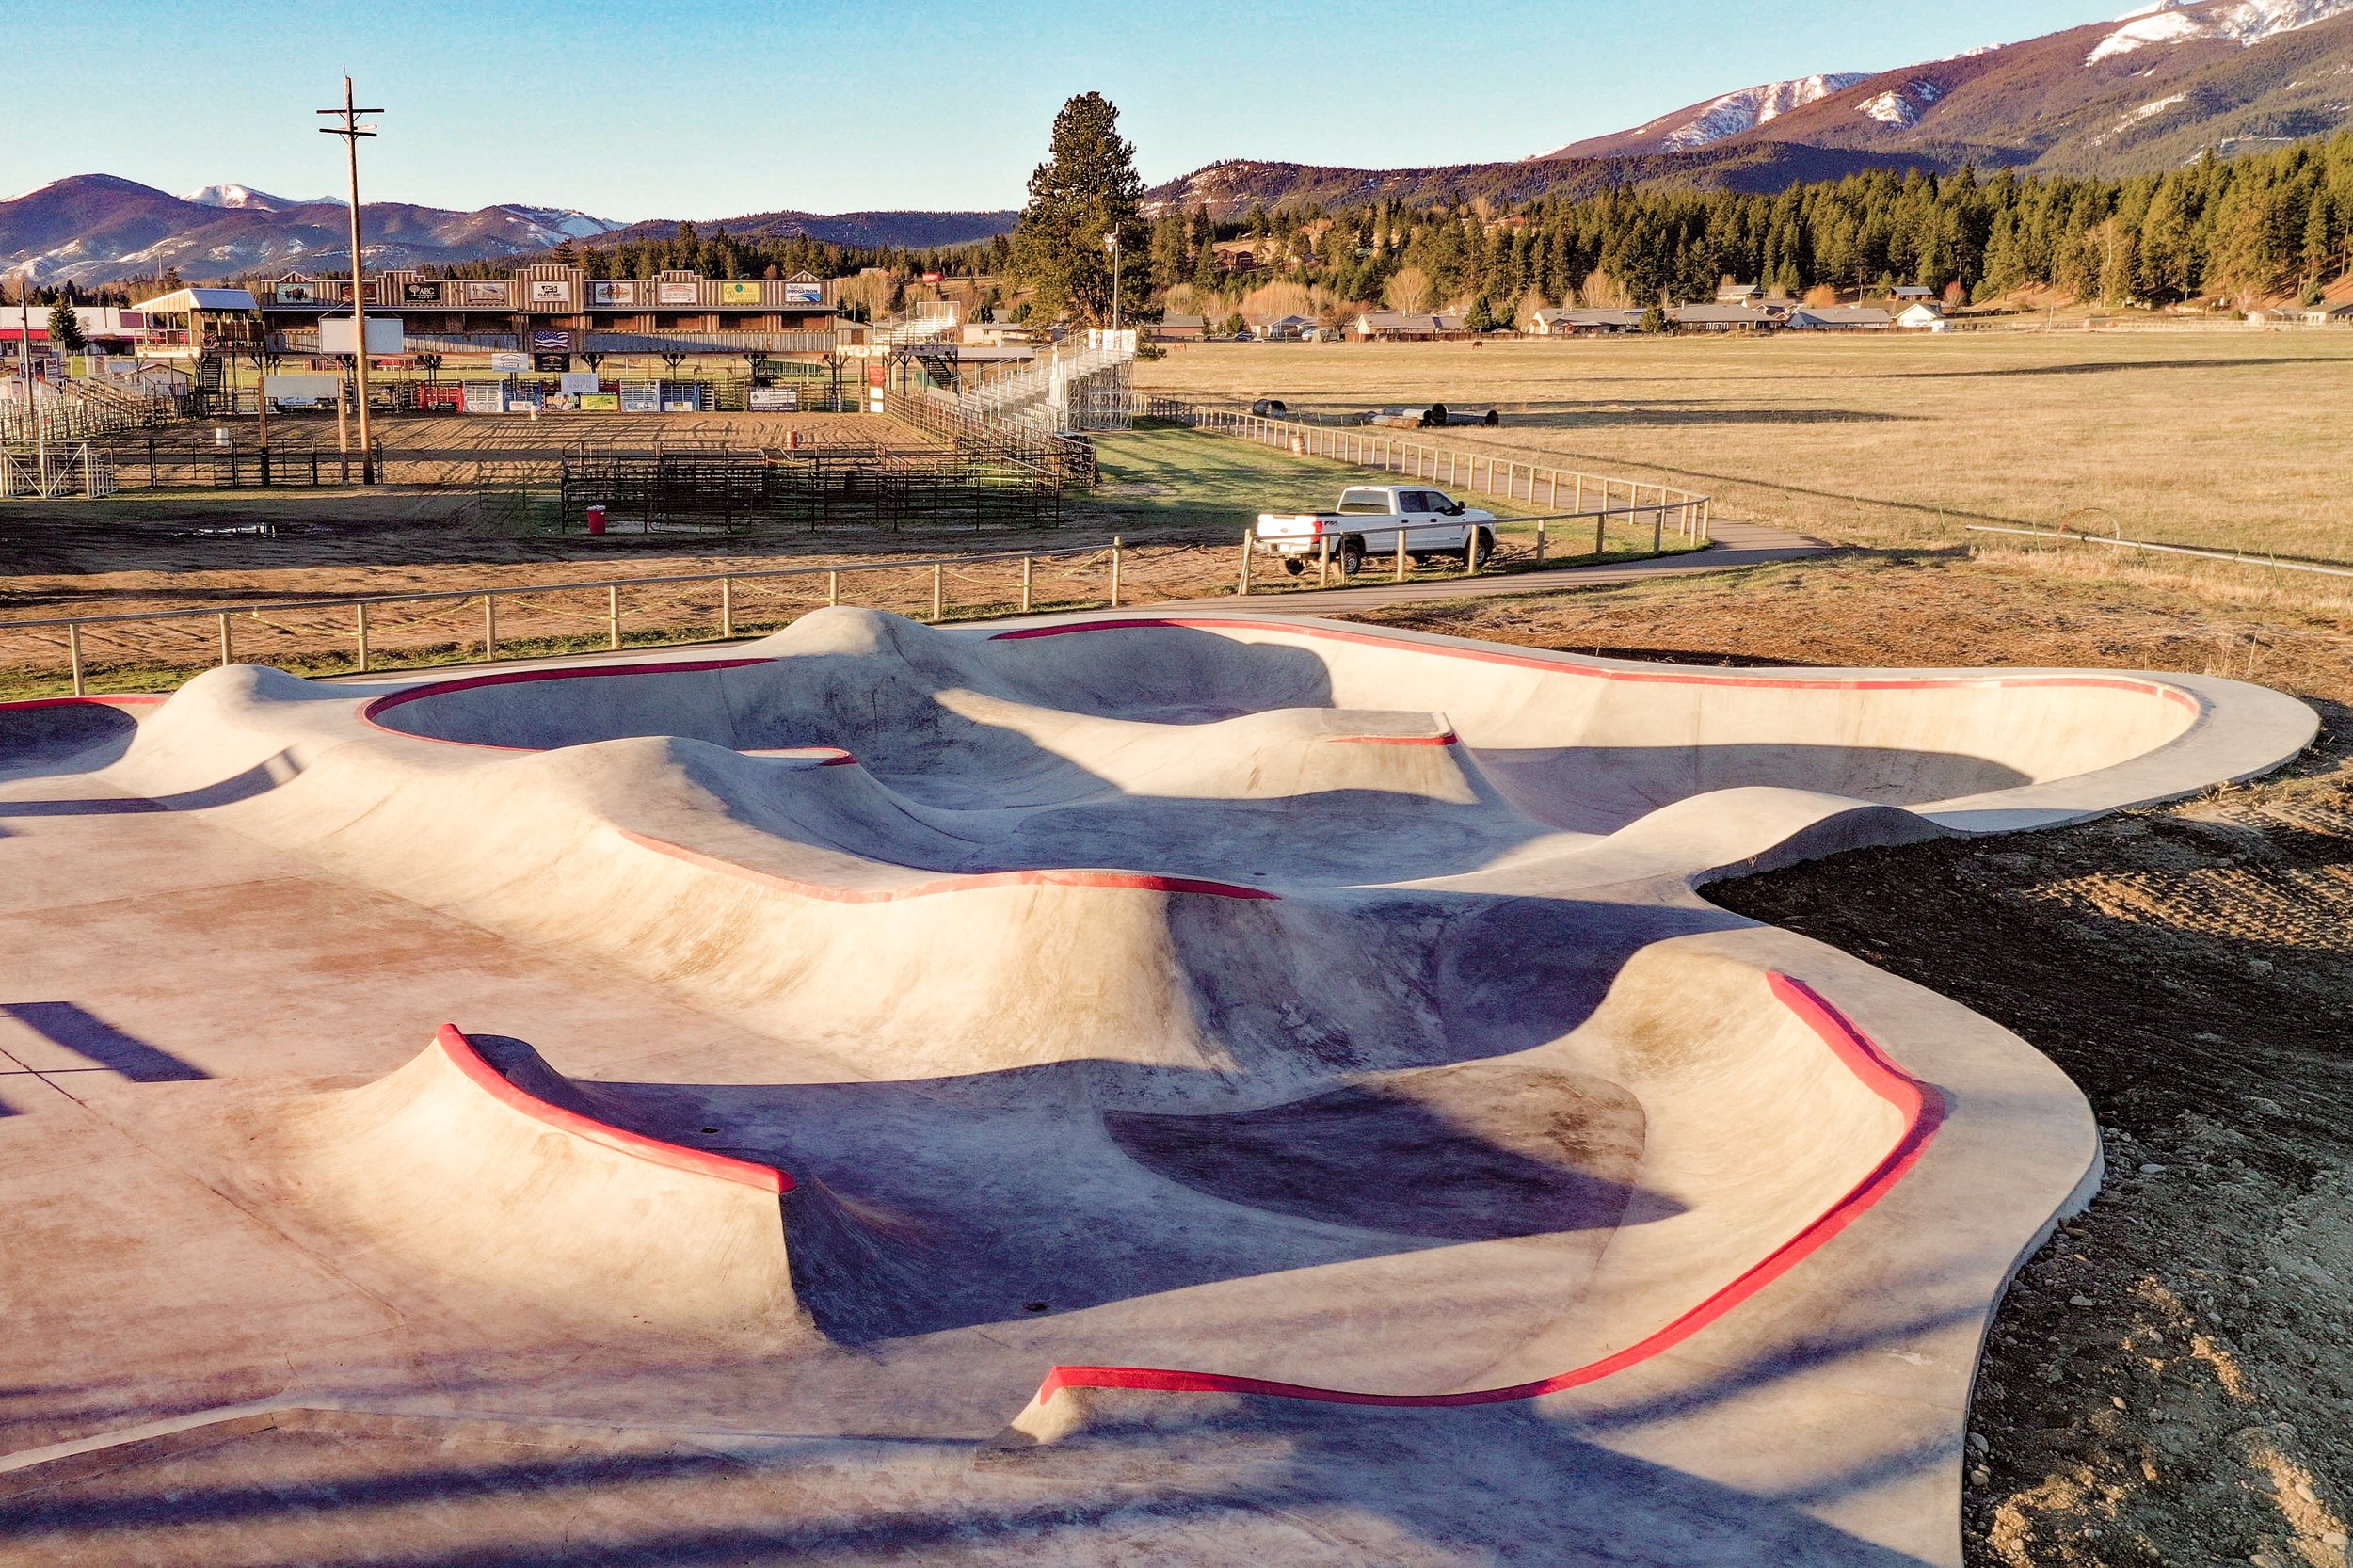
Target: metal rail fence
{"points": [[740, 491], [1567, 490]]}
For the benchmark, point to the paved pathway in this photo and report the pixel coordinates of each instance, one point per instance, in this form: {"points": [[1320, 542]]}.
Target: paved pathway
{"points": [[1737, 544]]}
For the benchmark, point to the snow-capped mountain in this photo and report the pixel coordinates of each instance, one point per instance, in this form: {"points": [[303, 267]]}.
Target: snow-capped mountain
{"points": [[245, 199], [2245, 23], [564, 222], [1727, 115]]}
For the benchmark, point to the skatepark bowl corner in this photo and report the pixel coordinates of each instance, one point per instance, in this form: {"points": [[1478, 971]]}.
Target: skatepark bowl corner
{"points": [[1227, 1089]]}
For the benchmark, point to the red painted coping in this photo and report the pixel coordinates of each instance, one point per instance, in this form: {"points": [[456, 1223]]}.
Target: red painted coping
{"points": [[1447, 739], [1923, 1110], [1137, 881], [1648, 677], [370, 714], [111, 701], [677, 1157]]}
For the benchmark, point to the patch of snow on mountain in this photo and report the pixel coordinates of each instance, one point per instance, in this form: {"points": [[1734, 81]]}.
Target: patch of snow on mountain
{"points": [[2159, 106], [1902, 108], [2246, 23], [564, 220], [1749, 107]]}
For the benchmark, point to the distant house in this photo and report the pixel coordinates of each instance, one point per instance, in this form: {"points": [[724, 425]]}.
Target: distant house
{"points": [[1722, 318], [1174, 327], [1922, 315], [1912, 291], [1406, 326], [2301, 316], [1839, 318], [1289, 329], [1739, 293], [1560, 321]]}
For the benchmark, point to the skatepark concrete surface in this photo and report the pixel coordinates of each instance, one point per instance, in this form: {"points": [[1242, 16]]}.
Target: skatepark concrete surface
{"points": [[1177, 1088]]}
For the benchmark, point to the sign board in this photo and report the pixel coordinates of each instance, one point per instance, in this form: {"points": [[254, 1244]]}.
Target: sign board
{"points": [[773, 399], [301, 391], [437, 396], [510, 364], [601, 403], [875, 373], [577, 381], [640, 397], [295, 294], [547, 291], [612, 293], [677, 294], [486, 397], [803, 293], [557, 341], [415, 293], [681, 397], [386, 335], [478, 293], [739, 293]]}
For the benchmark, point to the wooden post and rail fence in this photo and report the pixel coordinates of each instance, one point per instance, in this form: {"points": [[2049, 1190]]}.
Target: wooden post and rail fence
{"points": [[73, 626]]}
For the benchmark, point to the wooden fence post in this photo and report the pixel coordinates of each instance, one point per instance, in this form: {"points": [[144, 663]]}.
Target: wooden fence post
{"points": [[833, 588], [224, 639], [726, 607], [1117, 545], [1241, 586], [74, 652], [613, 618], [1026, 579], [359, 630], [939, 591], [1540, 542], [490, 627]]}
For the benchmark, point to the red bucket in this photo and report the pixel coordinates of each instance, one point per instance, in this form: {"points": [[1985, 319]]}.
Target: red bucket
{"points": [[595, 520]]}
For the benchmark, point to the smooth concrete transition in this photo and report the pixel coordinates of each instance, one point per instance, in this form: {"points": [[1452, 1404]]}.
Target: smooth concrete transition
{"points": [[1171, 1087]]}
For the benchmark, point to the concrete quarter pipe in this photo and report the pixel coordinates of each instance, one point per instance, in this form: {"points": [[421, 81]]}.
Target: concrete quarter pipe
{"points": [[1190, 1089]]}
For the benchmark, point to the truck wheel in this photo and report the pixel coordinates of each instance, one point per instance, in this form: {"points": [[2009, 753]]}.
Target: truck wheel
{"points": [[1481, 548], [1352, 556], [1295, 564]]}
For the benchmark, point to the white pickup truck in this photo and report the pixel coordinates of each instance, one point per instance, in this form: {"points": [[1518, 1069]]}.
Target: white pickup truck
{"points": [[1368, 522]]}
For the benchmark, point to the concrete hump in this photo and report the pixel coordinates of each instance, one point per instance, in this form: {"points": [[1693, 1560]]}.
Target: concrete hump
{"points": [[478, 1164]]}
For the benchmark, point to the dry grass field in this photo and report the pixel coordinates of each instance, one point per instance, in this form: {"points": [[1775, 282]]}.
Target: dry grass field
{"points": [[2235, 440]]}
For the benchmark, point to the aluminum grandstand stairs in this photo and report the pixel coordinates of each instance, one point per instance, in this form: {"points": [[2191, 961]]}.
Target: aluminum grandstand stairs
{"points": [[1070, 388]]}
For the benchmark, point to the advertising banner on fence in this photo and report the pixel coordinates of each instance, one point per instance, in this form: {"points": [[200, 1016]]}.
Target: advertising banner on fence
{"points": [[773, 399], [489, 294], [677, 294], [485, 398], [549, 291], [745, 293], [577, 381], [437, 396], [601, 403], [552, 342], [510, 364], [301, 391], [414, 293], [295, 294], [805, 293], [640, 397], [612, 294]]}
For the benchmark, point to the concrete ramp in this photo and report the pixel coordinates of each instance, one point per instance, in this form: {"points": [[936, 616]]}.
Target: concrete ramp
{"points": [[480, 1166]]}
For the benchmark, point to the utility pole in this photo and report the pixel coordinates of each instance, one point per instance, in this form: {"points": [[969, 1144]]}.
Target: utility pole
{"points": [[351, 131]]}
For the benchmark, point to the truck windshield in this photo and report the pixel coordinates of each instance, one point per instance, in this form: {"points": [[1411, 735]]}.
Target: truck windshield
{"points": [[1365, 501]]}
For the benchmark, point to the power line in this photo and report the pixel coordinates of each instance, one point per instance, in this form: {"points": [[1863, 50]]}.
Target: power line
{"points": [[351, 131]]}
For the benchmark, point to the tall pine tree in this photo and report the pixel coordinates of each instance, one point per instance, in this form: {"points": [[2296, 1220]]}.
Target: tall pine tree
{"points": [[1086, 187]]}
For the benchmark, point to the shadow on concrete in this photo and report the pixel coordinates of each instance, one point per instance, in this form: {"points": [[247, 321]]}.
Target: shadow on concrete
{"points": [[92, 1037]]}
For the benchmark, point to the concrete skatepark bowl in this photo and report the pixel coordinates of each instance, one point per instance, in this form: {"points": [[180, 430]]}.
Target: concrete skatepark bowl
{"points": [[1201, 1090]]}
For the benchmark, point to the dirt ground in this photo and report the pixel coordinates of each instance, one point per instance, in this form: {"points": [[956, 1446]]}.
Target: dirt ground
{"points": [[2166, 1383]]}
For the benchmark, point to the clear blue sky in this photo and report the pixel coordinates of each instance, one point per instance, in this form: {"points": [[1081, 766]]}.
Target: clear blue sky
{"points": [[706, 110]]}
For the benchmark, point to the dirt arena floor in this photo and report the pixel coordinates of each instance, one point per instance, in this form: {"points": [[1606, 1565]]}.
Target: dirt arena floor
{"points": [[2167, 1381]]}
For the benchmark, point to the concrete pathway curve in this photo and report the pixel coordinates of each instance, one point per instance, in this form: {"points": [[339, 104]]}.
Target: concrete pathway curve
{"points": [[1737, 545]]}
